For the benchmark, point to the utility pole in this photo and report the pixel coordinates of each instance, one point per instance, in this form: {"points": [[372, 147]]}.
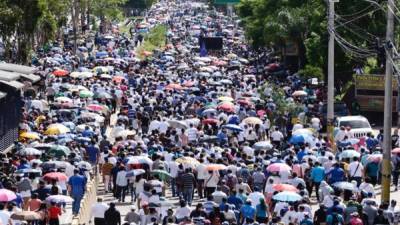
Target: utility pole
{"points": [[387, 120], [331, 72]]}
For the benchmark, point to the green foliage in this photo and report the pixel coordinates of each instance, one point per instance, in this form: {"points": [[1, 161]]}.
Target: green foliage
{"points": [[155, 39], [109, 9], [311, 72], [274, 22], [139, 4]]}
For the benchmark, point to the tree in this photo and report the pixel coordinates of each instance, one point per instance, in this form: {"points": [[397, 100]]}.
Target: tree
{"points": [[275, 22], [107, 10]]}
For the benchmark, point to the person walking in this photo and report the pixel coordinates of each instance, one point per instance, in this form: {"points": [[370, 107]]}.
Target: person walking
{"points": [[98, 211], [122, 184], [77, 186], [113, 215], [54, 212], [189, 182]]}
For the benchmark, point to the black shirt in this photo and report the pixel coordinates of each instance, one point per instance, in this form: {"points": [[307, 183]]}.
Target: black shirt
{"points": [[113, 217]]}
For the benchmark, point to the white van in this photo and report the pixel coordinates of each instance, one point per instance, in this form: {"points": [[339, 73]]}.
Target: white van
{"points": [[359, 125]]}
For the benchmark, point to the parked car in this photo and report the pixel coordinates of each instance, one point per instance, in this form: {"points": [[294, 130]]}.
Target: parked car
{"points": [[360, 125]]}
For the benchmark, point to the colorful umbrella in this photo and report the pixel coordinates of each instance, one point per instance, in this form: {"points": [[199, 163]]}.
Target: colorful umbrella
{"points": [[136, 160], [29, 135], [299, 93], [178, 124], [85, 94], [345, 185], [233, 127], [134, 173], [56, 129], [302, 131], [7, 195], [59, 199], [118, 79], [210, 121], [226, 106], [174, 87], [284, 187], [225, 99], [252, 120], [188, 161], [162, 174], [29, 151], [287, 196], [396, 150], [278, 167], [263, 145], [60, 73], [215, 167], [59, 150], [97, 108], [55, 176], [375, 158], [26, 216], [348, 154], [209, 112]]}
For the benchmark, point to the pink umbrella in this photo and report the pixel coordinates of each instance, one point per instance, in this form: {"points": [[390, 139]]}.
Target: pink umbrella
{"points": [[278, 167], [7, 195], [375, 158]]}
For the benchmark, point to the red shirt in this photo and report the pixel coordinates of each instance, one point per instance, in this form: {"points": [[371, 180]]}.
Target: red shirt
{"points": [[54, 212]]}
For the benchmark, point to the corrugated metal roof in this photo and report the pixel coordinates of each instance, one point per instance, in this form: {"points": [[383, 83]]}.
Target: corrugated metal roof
{"points": [[8, 76], [17, 68]]}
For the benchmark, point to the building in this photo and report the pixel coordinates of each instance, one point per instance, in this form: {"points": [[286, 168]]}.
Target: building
{"points": [[13, 79]]}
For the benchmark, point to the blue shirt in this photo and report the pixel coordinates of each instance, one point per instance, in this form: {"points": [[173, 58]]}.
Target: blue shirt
{"points": [[318, 174], [301, 154], [248, 211], [78, 185], [337, 174], [260, 212], [92, 152], [234, 200], [87, 133]]}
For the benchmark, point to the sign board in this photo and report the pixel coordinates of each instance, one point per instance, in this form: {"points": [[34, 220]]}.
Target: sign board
{"points": [[372, 82], [221, 2], [370, 92]]}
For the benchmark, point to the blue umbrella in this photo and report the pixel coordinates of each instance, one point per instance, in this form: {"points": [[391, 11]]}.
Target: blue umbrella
{"points": [[287, 196], [263, 145], [101, 54], [209, 111], [233, 127], [70, 125], [297, 139]]}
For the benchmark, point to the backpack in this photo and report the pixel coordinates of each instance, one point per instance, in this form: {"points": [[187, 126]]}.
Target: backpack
{"points": [[335, 220]]}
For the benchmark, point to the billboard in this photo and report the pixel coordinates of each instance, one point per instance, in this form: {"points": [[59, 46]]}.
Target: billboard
{"points": [[370, 92], [372, 82]]}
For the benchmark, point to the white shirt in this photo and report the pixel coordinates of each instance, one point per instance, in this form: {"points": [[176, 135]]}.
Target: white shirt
{"points": [[192, 134], [367, 187], [201, 172], [4, 217], [355, 169], [121, 178], [255, 198], [173, 168], [98, 210], [276, 136], [212, 180], [182, 212]]}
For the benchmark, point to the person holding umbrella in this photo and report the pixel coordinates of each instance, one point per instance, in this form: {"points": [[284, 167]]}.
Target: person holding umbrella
{"points": [[54, 213]]}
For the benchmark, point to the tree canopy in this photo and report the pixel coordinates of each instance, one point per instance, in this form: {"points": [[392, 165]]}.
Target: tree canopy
{"points": [[273, 23]]}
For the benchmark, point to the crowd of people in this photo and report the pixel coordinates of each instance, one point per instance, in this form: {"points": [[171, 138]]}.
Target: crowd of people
{"points": [[231, 134]]}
